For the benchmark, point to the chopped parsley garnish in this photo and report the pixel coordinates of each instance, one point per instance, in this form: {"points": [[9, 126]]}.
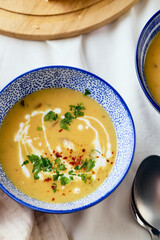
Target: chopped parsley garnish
{"points": [[88, 165], [64, 180], [77, 110], [57, 175], [50, 116], [87, 92], [61, 167], [39, 128], [66, 121], [57, 160], [39, 164], [25, 162], [71, 172], [93, 153], [83, 177], [77, 167], [68, 117]]}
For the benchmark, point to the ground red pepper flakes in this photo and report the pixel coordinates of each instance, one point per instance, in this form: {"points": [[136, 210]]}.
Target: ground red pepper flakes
{"points": [[98, 179], [51, 155], [83, 150], [79, 161], [58, 155], [111, 162], [53, 199], [97, 156], [47, 179], [65, 157], [73, 158], [53, 186], [45, 153], [38, 105], [63, 194], [73, 163], [107, 160], [53, 151], [60, 130], [112, 152]]}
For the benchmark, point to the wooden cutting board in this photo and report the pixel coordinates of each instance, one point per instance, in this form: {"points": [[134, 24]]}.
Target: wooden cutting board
{"points": [[55, 19]]}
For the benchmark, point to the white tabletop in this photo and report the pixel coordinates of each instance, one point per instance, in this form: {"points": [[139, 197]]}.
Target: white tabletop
{"points": [[108, 52]]}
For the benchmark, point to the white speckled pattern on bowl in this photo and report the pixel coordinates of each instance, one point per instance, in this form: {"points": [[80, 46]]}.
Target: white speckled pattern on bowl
{"points": [[102, 92]]}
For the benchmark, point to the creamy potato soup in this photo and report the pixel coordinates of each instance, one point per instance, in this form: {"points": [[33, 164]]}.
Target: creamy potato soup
{"points": [[152, 68], [57, 145]]}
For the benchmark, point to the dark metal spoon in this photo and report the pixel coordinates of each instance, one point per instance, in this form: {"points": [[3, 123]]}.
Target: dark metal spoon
{"points": [[145, 197]]}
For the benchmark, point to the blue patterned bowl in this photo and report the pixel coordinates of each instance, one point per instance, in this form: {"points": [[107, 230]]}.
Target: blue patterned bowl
{"points": [[149, 31], [102, 92]]}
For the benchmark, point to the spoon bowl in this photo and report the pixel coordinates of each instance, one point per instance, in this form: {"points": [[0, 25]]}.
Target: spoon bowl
{"points": [[145, 199], [153, 232]]}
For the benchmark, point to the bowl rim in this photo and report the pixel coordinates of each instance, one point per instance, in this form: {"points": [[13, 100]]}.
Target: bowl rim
{"points": [[151, 99], [127, 169]]}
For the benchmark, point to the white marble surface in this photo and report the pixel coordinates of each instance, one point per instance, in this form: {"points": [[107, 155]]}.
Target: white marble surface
{"points": [[108, 52]]}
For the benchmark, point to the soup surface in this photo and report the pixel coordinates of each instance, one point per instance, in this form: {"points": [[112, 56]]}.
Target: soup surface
{"points": [[57, 145], [152, 68]]}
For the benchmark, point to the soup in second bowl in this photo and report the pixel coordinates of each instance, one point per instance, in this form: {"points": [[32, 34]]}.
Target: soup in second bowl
{"points": [[152, 68], [57, 145]]}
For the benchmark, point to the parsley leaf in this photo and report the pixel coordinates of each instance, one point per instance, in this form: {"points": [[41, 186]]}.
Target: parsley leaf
{"points": [[65, 180], [77, 110], [57, 160], [39, 164], [46, 165], [50, 116], [33, 158], [66, 121], [83, 177], [88, 165], [77, 167], [55, 176], [93, 153], [61, 167], [71, 172], [87, 92], [25, 162], [39, 128]]}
